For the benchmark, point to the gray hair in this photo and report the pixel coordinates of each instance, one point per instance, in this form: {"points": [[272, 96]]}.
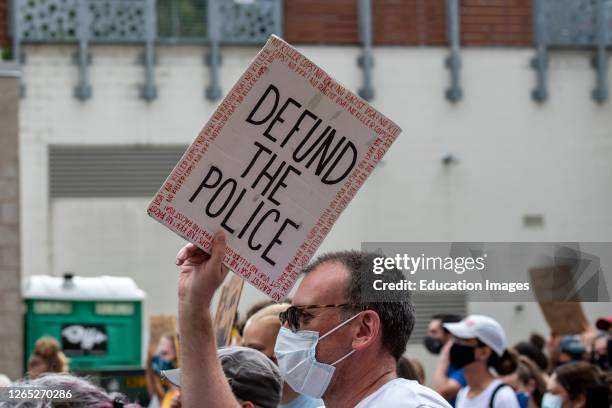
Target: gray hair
{"points": [[396, 314], [84, 394]]}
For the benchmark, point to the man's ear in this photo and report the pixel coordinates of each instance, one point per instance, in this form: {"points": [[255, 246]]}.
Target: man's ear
{"points": [[246, 404], [368, 330]]}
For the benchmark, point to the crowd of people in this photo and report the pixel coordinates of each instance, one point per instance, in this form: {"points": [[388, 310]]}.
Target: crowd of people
{"points": [[540, 372], [329, 347]]}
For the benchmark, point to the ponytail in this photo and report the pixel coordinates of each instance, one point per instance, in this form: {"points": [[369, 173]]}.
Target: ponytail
{"points": [[505, 364], [529, 371]]}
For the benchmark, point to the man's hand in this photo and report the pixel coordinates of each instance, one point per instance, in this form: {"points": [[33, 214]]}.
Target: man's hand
{"points": [[200, 273], [443, 385], [445, 353]]}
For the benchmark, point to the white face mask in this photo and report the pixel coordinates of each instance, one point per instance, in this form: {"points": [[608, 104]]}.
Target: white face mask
{"points": [[551, 401], [297, 363]]}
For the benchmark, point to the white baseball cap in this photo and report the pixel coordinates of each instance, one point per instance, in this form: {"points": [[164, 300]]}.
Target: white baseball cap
{"points": [[480, 327]]}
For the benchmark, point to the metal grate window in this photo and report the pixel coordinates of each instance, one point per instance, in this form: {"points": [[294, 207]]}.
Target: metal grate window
{"points": [[574, 23], [168, 21], [110, 171], [181, 19], [428, 304]]}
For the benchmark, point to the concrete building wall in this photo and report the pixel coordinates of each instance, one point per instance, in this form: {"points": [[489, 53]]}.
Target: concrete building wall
{"points": [[11, 334], [515, 158]]}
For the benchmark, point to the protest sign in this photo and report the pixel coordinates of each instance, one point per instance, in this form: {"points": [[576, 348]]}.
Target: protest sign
{"points": [[565, 318], [160, 325], [225, 315], [275, 165], [554, 288]]}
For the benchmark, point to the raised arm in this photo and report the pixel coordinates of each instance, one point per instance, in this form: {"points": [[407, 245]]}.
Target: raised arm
{"points": [[203, 383], [443, 385]]}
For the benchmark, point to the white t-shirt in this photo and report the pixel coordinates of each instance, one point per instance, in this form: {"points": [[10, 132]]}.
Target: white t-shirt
{"points": [[505, 397], [402, 393]]}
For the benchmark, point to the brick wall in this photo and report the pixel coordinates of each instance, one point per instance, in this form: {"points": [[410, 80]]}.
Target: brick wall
{"points": [[4, 29], [496, 22], [410, 22], [10, 288], [321, 21]]}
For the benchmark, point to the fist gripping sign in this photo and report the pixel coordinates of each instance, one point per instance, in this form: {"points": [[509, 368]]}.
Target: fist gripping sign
{"points": [[276, 164]]}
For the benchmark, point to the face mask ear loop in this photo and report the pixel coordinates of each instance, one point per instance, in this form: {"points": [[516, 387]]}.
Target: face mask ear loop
{"points": [[338, 326], [342, 358]]}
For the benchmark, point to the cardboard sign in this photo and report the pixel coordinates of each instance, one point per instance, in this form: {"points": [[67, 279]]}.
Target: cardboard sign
{"points": [[565, 318], [160, 325], [554, 288], [276, 164], [226, 310]]}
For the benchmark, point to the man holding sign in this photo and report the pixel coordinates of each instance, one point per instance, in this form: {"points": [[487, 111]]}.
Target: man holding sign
{"points": [[332, 344], [259, 189]]}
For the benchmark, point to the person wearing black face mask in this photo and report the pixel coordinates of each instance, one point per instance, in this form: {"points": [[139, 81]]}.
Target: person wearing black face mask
{"points": [[479, 343], [447, 380]]}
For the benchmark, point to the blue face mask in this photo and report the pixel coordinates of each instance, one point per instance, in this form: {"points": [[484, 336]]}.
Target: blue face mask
{"points": [[523, 399], [159, 364], [551, 401], [297, 364]]}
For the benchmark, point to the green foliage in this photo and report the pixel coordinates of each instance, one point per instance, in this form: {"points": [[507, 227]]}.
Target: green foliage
{"points": [[6, 54], [181, 18]]}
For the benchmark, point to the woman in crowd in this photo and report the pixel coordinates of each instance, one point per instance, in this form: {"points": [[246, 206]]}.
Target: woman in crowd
{"points": [[164, 358], [528, 382], [410, 369], [578, 385], [534, 350], [260, 332], [479, 344], [47, 357], [600, 349]]}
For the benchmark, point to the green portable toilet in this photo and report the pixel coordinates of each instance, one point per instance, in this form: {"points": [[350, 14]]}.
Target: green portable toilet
{"points": [[97, 320]]}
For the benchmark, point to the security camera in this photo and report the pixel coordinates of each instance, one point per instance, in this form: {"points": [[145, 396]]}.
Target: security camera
{"points": [[449, 159]]}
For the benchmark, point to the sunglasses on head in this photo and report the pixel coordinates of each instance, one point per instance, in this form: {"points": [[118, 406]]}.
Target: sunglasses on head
{"points": [[294, 315]]}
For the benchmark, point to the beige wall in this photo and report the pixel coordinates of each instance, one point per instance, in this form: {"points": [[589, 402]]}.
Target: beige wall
{"points": [[516, 157], [10, 298]]}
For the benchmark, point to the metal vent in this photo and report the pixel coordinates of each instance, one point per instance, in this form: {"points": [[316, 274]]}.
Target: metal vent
{"points": [[110, 171], [428, 304]]}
